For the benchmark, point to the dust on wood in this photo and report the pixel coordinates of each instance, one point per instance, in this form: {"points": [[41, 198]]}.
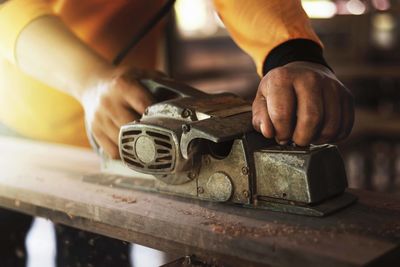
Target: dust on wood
{"points": [[125, 199], [219, 225]]}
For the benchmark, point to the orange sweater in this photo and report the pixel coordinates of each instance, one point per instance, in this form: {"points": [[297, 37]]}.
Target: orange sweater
{"points": [[41, 112]]}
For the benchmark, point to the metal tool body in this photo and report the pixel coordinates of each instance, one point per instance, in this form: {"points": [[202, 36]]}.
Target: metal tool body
{"points": [[204, 146]]}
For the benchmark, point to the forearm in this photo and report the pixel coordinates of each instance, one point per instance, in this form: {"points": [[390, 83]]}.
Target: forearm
{"points": [[47, 50], [260, 26]]}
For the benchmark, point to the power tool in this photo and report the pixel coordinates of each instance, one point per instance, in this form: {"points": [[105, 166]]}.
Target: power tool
{"points": [[203, 146]]}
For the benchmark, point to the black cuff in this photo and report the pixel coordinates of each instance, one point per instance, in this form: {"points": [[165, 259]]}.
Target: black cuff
{"points": [[294, 50]]}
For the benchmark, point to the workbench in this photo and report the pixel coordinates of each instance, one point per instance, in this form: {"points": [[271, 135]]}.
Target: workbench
{"points": [[45, 180]]}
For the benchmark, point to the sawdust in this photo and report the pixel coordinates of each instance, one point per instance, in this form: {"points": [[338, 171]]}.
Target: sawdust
{"points": [[275, 229], [235, 229], [238, 229], [391, 230], [124, 199]]}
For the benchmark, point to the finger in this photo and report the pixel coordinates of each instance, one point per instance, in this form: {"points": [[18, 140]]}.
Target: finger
{"points": [[332, 115], [108, 146], [111, 130], [123, 114], [103, 121], [138, 98], [309, 109], [347, 117], [281, 105], [261, 120], [118, 110]]}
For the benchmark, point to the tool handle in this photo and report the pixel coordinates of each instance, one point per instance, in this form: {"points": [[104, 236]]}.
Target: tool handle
{"points": [[165, 89]]}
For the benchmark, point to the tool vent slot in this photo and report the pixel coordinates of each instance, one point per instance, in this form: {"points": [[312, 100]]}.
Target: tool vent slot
{"points": [[164, 144], [131, 132], [164, 157], [162, 136], [127, 149], [133, 162], [129, 136]]}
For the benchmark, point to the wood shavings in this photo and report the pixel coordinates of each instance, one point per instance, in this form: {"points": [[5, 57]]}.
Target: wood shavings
{"points": [[124, 199]]}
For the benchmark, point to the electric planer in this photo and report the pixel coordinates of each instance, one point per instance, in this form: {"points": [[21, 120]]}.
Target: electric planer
{"points": [[202, 146]]}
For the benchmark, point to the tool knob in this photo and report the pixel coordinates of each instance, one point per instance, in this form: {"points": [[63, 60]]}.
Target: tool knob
{"points": [[145, 149]]}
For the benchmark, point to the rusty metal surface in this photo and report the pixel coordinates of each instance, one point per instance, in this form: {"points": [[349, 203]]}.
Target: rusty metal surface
{"points": [[306, 176], [232, 167]]}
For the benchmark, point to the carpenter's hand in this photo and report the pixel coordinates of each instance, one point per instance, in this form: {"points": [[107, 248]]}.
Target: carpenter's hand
{"points": [[303, 102], [112, 102]]}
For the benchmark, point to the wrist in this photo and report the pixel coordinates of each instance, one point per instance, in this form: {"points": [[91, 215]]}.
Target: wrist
{"points": [[97, 77], [315, 67], [296, 50]]}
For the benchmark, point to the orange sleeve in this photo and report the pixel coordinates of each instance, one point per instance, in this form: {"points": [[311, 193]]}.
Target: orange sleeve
{"points": [[14, 16], [258, 26]]}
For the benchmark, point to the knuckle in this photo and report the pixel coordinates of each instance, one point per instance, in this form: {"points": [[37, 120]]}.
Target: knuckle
{"points": [[311, 117], [281, 114], [277, 80], [254, 106], [281, 119], [312, 77], [259, 98], [310, 120], [280, 74], [262, 88], [255, 121], [257, 109]]}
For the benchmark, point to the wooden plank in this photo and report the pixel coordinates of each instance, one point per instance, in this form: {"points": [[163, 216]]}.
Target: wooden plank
{"points": [[45, 180]]}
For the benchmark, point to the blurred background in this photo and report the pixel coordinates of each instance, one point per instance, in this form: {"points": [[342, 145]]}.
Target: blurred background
{"points": [[362, 45]]}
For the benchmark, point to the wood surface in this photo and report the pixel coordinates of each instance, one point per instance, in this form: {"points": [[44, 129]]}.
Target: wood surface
{"points": [[46, 180]]}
